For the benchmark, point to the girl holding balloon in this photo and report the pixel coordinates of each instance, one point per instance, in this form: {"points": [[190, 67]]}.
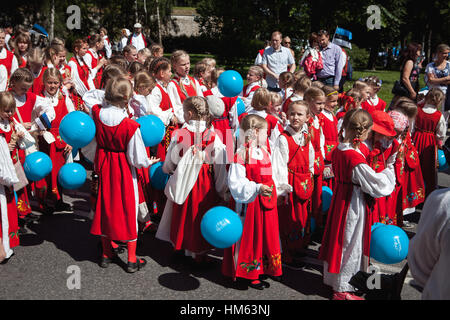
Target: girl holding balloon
{"points": [[196, 160], [58, 150], [120, 148], [346, 241], [254, 195], [30, 113]]}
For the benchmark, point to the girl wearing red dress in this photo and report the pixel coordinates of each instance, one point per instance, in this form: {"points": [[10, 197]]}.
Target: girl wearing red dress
{"points": [[346, 241], [9, 229], [293, 164], [29, 106], [300, 86], [330, 132], [255, 75], [48, 189], [161, 102], [316, 99], [94, 58], [81, 75], [413, 189], [120, 149], [373, 102], [196, 161], [430, 130], [382, 146], [185, 85], [255, 200], [22, 45]]}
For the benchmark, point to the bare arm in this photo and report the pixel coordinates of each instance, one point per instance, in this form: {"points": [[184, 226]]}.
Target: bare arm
{"points": [[268, 71], [405, 78]]}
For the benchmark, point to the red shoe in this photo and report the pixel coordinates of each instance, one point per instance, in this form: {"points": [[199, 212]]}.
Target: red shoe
{"points": [[345, 296]]}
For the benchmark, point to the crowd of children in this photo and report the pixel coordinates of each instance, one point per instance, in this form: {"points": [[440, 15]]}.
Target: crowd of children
{"points": [[268, 164]]}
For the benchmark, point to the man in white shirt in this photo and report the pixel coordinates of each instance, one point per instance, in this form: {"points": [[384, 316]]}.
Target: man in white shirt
{"points": [[138, 39], [276, 59]]}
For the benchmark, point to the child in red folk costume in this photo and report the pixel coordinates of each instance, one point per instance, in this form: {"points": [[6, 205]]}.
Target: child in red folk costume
{"points": [[57, 59], [94, 58], [35, 63], [430, 129], [381, 146], [316, 100], [81, 74], [161, 102], [394, 201], [255, 75], [260, 103], [29, 107], [300, 86], [227, 123], [9, 229], [144, 83], [413, 189], [48, 190], [286, 83], [347, 100], [197, 161], [274, 109], [330, 132], [120, 148], [201, 75], [374, 102], [346, 241], [7, 58], [293, 169], [185, 85], [22, 46], [254, 195]]}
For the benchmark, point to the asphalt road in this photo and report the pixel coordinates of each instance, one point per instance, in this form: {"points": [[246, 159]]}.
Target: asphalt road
{"points": [[60, 248]]}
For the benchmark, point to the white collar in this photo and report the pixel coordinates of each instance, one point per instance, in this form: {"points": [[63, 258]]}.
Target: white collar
{"points": [[5, 125], [345, 146], [298, 136], [196, 125]]}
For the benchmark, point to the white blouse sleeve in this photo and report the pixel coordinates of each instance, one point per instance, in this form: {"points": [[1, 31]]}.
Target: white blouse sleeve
{"points": [[375, 184], [441, 129], [172, 159], [220, 167], [3, 78], [154, 100], [280, 159], [79, 85], [41, 106], [136, 152], [242, 189], [93, 97], [312, 156], [14, 65], [8, 174], [198, 88], [176, 102]]}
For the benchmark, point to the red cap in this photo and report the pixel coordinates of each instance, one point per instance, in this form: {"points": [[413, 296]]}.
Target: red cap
{"points": [[383, 124]]}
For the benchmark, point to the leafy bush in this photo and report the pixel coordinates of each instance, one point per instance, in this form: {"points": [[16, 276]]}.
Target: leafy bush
{"points": [[358, 57]]}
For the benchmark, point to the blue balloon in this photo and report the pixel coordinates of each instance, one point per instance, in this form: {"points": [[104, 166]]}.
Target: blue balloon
{"points": [[230, 83], [72, 176], [240, 106], [77, 129], [37, 166], [152, 130], [221, 227], [376, 225], [157, 176], [443, 165], [327, 194], [389, 244]]}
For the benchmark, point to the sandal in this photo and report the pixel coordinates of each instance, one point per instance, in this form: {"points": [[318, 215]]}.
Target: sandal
{"points": [[136, 266]]}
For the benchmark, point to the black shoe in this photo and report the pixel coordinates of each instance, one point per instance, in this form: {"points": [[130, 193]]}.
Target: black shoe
{"points": [[62, 206], [7, 259], [136, 266], [105, 262], [276, 278]]}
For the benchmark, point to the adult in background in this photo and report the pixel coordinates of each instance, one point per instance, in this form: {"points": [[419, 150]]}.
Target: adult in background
{"points": [[138, 39], [276, 59], [408, 86], [333, 61], [437, 74], [123, 41], [287, 42]]}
